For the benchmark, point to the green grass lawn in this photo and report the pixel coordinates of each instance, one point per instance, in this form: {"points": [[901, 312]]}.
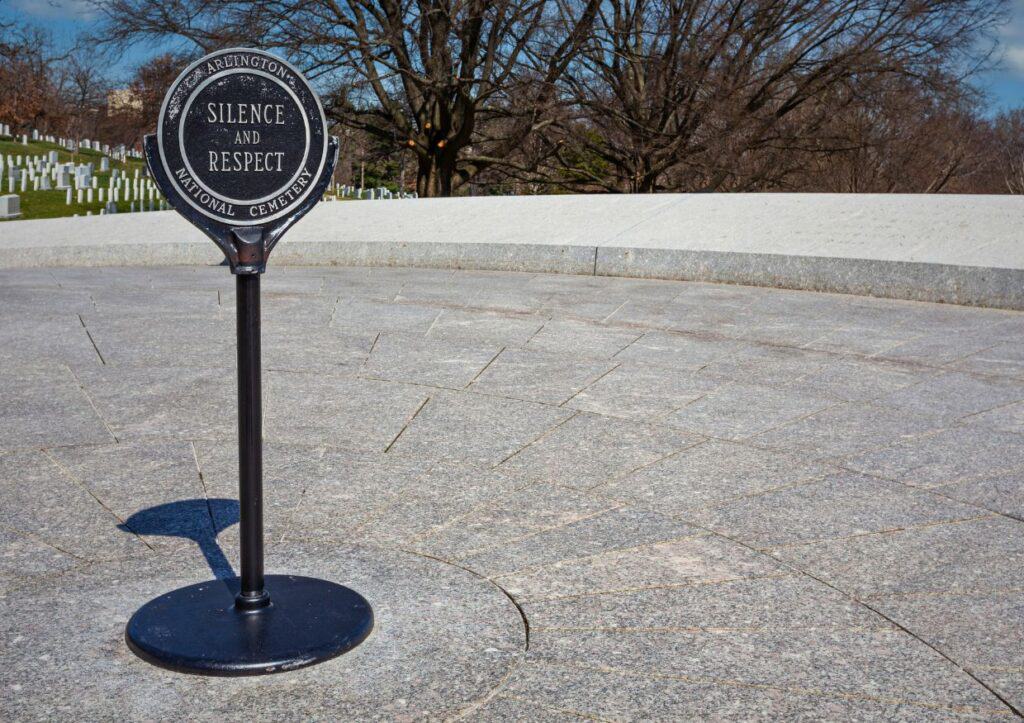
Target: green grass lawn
{"points": [[50, 204]]}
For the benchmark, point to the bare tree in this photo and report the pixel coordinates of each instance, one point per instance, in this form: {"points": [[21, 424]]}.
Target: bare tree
{"points": [[720, 92], [30, 88], [84, 88], [431, 77], [1009, 135]]}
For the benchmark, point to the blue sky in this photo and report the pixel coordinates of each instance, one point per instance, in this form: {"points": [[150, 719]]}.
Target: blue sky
{"points": [[67, 18], [1006, 83]]}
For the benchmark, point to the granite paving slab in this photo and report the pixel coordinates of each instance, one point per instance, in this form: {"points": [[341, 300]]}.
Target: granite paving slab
{"points": [[38, 299], [1005, 359], [1007, 683], [615, 529], [142, 304], [23, 557], [711, 474], [42, 501], [48, 406], [183, 402], [370, 315], [1008, 418], [737, 411], [124, 341], [582, 338], [362, 484], [855, 379], [365, 414], [856, 505], [589, 449], [686, 561], [131, 477], [50, 341], [772, 365], [318, 348], [1002, 493], [861, 339], [979, 629], [951, 455], [539, 376], [641, 392], [685, 352], [433, 362], [518, 515], [597, 693], [970, 555], [880, 664], [946, 341], [484, 327], [955, 395], [566, 497], [784, 602], [474, 428], [845, 429]]}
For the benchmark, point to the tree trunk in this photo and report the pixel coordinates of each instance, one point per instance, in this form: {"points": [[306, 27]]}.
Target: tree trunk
{"points": [[434, 174]]}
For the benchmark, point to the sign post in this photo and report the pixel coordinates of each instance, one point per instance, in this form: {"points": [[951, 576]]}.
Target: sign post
{"points": [[242, 152]]}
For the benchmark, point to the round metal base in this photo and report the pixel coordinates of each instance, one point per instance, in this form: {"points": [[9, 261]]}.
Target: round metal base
{"points": [[198, 629]]}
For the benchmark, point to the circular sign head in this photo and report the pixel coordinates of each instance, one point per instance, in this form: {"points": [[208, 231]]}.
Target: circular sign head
{"points": [[242, 137]]}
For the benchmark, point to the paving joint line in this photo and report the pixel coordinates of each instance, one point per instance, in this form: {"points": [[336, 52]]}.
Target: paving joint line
{"points": [[733, 683], [859, 601], [68, 474], [406, 425], [484, 368], [92, 404], [589, 384], [91, 340]]}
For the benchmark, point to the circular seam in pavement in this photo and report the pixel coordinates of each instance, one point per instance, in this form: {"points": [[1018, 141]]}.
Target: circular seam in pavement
{"points": [[443, 640]]}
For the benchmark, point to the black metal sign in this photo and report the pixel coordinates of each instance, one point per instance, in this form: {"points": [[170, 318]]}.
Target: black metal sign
{"points": [[242, 137], [242, 152]]}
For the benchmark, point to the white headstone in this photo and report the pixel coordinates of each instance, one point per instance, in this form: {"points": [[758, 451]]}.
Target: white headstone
{"points": [[10, 206]]}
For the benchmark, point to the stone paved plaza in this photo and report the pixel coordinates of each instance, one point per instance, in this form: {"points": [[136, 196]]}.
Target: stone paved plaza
{"points": [[564, 496]]}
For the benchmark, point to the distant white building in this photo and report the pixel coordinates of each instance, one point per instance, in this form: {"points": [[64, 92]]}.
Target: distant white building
{"points": [[122, 99]]}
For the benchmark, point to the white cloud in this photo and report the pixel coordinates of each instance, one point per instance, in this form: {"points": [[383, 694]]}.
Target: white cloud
{"points": [[1011, 37], [1015, 58]]}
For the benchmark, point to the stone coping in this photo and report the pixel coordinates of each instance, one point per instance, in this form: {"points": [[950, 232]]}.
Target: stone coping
{"points": [[940, 248]]}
